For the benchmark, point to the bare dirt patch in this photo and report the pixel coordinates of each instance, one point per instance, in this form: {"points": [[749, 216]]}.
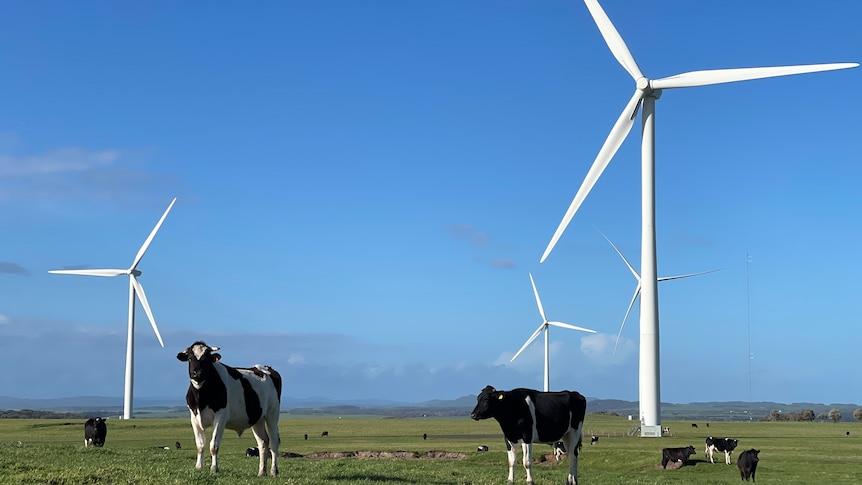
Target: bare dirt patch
{"points": [[402, 455]]}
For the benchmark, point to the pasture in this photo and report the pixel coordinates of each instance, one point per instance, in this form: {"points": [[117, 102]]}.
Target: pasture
{"points": [[52, 451]]}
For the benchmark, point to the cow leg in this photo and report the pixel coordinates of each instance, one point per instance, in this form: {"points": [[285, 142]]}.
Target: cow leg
{"points": [[200, 442], [218, 432], [274, 440], [727, 457], [512, 454], [262, 438], [573, 447], [527, 450]]}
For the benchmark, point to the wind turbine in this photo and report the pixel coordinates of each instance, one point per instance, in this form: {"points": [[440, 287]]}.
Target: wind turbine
{"points": [[545, 325], [647, 91], [638, 288], [135, 288]]}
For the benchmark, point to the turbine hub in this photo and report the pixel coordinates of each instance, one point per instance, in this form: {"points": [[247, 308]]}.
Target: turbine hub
{"points": [[643, 84], [136, 273]]}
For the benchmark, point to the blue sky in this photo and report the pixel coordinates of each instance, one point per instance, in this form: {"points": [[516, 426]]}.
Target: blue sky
{"points": [[363, 188]]}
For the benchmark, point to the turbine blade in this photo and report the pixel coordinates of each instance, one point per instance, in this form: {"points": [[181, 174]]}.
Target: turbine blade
{"points": [[631, 268], [628, 310], [572, 327], [538, 300], [91, 272], [618, 134], [139, 290], [528, 342], [613, 39], [721, 76], [667, 278], [150, 237]]}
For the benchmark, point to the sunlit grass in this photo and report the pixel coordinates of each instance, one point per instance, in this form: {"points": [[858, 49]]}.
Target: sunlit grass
{"points": [[52, 451]]}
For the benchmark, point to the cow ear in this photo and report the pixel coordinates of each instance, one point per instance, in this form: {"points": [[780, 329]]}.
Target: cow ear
{"points": [[213, 349], [500, 397], [183, 356]]}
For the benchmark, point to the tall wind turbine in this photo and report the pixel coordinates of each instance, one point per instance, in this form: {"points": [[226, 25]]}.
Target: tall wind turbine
{"points": [[544, 326], [135, 288], [638, 287], [647, 91]]}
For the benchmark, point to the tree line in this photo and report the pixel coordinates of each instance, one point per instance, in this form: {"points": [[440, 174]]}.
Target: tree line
{"points": [[834, 415]]}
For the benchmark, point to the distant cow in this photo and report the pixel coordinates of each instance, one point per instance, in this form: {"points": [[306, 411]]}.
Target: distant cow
{"points": [[676, 454], [252, 451], [178, 445], [482, 448], [226, 397], [747, 463], [527, 416], [694, 425], [559, 450], [724, 445], [324, 434], [594, 439], [95, 431]]}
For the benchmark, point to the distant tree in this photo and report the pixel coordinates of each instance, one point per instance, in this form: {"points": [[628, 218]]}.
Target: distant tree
{"points": [[821, 416], [775, 415], [857, 414], [834, 415], [808, 415]]}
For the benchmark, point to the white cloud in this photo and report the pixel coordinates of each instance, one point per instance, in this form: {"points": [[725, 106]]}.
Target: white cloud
{"points": [[58, 161], [599, 348]]}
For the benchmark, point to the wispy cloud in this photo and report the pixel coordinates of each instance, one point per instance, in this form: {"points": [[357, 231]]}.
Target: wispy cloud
{"points": [[468, 233], [62, 160], [13, 268]]}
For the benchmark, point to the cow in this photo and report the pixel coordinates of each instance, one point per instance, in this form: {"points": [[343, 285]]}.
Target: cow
{"points": [[527, 416], [559, 450], [676, 454], [594, 440], [482, 448], [725, 445], [233, 398], [255, 451], [95, 431], [325, 434], [178, 445], [694, 425], [747, 463]]}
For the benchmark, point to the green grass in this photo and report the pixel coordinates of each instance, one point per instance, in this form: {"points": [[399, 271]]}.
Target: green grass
{"points": [[52, 452]]}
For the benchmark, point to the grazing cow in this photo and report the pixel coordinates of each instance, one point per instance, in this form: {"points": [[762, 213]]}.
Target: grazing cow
{"points": [[324, 434], [95, 431], [482, 448], [666, 430], [225, 397], [305, 436], [676, 454], [747, 463], [527, 416], [594, 440], [726, 445], [559, 450], [694, 425], [252, 451], [178, 445]]}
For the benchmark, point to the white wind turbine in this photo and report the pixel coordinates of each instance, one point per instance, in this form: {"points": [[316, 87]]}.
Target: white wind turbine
{"points": [[544, 326], [638, 287], [135, 288], [647, 91]]}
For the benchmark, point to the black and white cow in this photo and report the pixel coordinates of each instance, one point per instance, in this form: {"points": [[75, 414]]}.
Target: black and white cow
{"points": [[724, 445], [527, 416], [95, 431], [747, 463], [226, 397], [676, 454]]}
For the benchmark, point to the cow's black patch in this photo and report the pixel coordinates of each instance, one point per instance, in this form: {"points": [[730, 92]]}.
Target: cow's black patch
{"points": [[253, 408]]}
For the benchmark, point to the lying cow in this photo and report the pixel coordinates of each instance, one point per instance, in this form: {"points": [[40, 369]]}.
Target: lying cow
{"points": [[95, 431], [226, 397], [527, 416], [254, 451], [747, 463], [724, 445], [676, 454]]}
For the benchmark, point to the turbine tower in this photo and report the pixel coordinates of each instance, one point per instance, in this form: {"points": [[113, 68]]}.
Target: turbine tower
{"points": [[647, 91], [135, 288], [544, 327]]}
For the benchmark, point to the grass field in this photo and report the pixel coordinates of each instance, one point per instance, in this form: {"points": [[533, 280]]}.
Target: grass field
{"points": [[52, 452]]}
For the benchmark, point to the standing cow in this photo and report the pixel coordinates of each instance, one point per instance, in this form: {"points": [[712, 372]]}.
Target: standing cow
{"points": [[225, 397], [747, 463], [724, 445], [527, 416], [95, 431]]}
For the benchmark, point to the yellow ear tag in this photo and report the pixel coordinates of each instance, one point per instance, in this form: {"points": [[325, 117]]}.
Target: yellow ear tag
{"points": [[500, 398]]}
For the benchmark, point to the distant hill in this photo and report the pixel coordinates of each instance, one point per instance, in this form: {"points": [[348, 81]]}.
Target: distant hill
{"points": [[173, 407]]}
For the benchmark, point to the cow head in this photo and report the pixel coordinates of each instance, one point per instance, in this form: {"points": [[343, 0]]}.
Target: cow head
{"points": [[486, 403], [201, 358]]}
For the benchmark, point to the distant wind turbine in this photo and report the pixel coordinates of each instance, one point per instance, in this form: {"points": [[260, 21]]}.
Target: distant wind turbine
{"points": [[647, 91], [638, 287], [544, 326], [135, 288]]}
